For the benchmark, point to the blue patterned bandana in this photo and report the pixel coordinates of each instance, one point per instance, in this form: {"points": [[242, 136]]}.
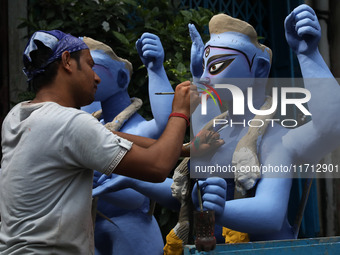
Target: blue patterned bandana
{"points": [[44, 47]]}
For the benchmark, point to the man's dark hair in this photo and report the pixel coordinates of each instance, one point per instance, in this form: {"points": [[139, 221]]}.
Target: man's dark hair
{"points": [[50, 72]]}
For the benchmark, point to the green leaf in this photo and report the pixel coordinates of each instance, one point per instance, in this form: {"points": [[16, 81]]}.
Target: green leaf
{"points": [[120, 37], [55, 24], [186, 14], [181, 68]]}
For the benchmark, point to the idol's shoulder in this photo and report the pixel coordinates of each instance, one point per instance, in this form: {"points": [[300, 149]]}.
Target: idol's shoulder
{"points": [[273, 136]]}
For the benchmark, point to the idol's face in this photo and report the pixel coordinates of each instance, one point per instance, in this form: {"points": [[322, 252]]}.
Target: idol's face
{"points": [[113, 74], [223, 65], [222, 62], [179, 186]]}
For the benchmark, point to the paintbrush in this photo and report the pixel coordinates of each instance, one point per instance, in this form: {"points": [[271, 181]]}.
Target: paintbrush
{"points": [[164, 93], [170, 93]]}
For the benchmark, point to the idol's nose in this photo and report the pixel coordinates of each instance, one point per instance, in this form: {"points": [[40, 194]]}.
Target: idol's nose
{"points": [[204, 80]]}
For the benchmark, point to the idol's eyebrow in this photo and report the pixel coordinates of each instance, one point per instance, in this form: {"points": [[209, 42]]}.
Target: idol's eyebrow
{"points": [[219, 56]]}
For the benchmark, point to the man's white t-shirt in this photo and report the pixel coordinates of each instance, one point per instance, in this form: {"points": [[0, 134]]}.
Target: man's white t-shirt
{"points": [[49, 152]]}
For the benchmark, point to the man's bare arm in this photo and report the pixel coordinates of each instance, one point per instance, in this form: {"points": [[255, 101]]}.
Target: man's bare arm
{"points": [[153, 160]]}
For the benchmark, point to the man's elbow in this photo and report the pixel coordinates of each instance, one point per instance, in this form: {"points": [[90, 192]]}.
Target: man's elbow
{"points": [[158, 173], [157, 178]]}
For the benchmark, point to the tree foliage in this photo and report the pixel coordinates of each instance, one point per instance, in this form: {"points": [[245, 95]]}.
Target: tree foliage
{"points": [[119, 23]]}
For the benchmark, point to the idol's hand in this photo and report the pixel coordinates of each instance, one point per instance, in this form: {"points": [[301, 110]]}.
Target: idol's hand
{"points": [[214, 193], [303, 30], [204, 142], [113, 183], [98, 178], [150, 51]]}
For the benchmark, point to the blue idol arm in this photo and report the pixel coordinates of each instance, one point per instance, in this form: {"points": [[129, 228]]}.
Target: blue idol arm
{"points": [[127, 199], [115, 190], [151, 53], [264, 213], [320, 136], [159, 192]]}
